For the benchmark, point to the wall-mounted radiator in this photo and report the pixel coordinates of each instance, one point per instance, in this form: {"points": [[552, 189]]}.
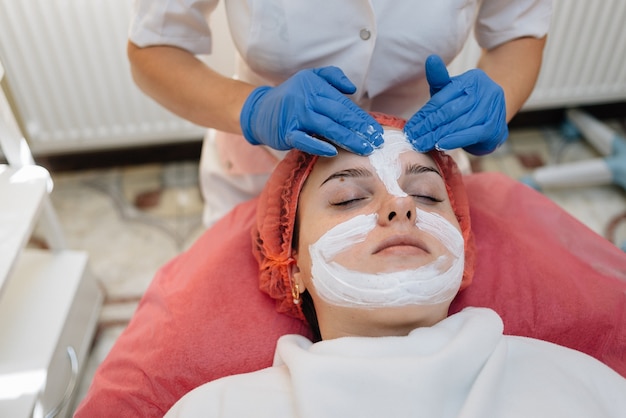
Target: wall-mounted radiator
{"points": [[70, 79], [68, 73], [584, 59]]}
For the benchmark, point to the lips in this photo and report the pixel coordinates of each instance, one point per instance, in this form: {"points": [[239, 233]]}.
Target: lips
{"points": [[401, 241]]}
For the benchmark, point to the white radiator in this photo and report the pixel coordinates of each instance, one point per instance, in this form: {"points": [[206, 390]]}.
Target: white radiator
{"points": [[585, 56], [67, 69], [70, 80]]}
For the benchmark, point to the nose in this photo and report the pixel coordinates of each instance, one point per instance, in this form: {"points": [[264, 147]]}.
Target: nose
{"points": [[393, 214], [397, 209]]}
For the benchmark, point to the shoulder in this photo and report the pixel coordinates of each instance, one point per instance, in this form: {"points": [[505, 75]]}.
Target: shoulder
{"points": [[570, 361], [265, 394], [559, 376]]}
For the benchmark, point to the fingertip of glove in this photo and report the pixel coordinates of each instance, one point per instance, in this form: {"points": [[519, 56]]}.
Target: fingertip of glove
{"points": [[325, 152], [478, 150], [436, 73], [370, 140], [433, 59], [314, 146], [377, 139], [441, 148], [366, 150]]}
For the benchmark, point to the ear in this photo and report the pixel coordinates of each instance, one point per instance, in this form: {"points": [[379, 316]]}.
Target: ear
{"points": [[295, 274]]}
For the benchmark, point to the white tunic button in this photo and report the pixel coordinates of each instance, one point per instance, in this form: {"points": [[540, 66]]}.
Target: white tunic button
{"points": [[365, 34]]}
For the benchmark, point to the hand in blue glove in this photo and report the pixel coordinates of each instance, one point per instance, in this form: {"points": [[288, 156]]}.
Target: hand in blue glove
{"points": [[467, 111], [310, 103]]}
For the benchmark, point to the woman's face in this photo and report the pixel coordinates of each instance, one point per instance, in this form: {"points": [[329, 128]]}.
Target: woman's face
{"points": [[379, 246]]}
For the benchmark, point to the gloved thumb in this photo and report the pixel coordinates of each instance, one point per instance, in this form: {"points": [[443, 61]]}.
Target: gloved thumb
{"points": [[436, 73], [336, 78]]}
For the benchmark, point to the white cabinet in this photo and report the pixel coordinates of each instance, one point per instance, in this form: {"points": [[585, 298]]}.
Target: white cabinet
{"points": [[49, 303]]}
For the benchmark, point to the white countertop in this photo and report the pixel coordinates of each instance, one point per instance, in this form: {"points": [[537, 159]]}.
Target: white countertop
{"points": [[21, 194]]}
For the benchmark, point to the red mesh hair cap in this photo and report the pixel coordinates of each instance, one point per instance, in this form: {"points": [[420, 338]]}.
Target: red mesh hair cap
{"points": [[276, 216]]}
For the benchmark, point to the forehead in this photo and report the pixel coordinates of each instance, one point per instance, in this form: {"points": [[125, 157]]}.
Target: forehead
{"points": [[344, 159]]}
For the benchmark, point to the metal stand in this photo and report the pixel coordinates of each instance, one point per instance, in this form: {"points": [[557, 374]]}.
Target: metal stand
{"points": [[609, 169]]}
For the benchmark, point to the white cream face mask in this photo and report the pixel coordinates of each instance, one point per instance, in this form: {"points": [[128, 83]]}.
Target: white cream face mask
{"points": [[435, 282]]}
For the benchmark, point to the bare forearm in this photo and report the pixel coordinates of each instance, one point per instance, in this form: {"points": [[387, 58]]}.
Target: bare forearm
{"points": [[187, 87], [515, 67]]}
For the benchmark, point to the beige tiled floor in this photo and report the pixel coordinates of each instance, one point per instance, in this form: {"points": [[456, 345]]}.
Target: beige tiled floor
{"points": [[133, 220]]}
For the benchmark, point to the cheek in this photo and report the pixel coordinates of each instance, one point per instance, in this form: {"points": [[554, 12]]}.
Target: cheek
{"points": [[454, 221], [354, 257], [448, 214], [344, 243]]}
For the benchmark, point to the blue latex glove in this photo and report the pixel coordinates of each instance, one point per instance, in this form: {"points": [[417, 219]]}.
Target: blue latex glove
{"points": [[309, 103], [467, 111]]}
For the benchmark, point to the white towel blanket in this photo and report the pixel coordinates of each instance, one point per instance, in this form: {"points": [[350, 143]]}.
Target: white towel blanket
{"points": [[461, 367]]}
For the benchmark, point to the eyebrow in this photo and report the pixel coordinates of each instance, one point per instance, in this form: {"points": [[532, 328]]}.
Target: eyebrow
{"points": [[364, 172], [419, 169], [350, 172]]}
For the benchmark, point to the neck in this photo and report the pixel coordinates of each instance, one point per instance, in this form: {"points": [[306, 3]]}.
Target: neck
{"points": [[339, 322]]}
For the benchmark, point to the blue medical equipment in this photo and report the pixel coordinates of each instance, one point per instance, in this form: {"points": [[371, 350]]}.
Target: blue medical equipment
{"points": [[608, 169]]}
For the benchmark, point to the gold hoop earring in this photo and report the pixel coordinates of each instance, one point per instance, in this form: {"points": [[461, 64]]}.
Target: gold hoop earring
{"points": [[295, 293]]}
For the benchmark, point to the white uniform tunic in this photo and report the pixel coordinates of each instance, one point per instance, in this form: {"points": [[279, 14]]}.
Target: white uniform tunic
{"points": [[463, 367], [381, 45]]}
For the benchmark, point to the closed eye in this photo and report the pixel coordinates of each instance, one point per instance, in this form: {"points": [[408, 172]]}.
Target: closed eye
{"points": [[347, 202], [427, 198]]}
